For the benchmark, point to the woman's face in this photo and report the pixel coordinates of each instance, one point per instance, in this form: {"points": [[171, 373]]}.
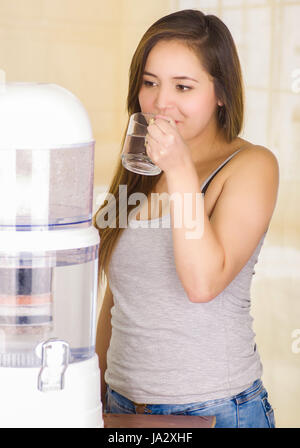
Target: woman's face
{"points": [[176, 85]]}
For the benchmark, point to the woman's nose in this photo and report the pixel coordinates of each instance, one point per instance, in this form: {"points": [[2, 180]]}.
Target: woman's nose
{"points": [[163, 100]]}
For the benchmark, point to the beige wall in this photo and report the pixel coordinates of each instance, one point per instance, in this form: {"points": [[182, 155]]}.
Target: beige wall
{"points": [[86, 47]]}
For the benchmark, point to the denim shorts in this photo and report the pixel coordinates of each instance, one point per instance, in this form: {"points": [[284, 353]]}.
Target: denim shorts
{"points": [[248, 409]]}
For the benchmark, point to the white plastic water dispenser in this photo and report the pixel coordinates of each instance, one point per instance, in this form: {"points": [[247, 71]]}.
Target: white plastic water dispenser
{"points": [[49, 374]]}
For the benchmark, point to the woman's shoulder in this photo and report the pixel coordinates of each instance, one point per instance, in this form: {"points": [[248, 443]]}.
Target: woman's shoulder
{"points": [[251, 155], [250, 165], [253, 160], [249, 160], [254, 164]]}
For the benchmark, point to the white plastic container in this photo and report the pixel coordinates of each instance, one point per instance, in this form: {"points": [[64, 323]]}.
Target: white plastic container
{"points": [[49, 374]]}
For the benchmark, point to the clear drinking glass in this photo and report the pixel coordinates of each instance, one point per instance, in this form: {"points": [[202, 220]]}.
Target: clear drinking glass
{"points": [[134, 154]]}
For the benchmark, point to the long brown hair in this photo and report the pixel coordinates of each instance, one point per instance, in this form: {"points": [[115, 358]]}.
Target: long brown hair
{"points": [[212, 42]]}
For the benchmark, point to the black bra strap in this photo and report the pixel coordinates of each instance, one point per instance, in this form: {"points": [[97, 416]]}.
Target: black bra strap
{"points": [[206, 184]]}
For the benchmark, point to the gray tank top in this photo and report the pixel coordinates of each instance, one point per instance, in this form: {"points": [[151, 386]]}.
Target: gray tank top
{"points": [[164, 349]]}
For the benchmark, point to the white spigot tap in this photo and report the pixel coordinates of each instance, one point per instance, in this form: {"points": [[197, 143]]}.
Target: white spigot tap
{"points": [[55, 360]]}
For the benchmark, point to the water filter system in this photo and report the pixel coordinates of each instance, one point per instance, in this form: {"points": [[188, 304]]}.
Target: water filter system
{"points": [[49, 374]]}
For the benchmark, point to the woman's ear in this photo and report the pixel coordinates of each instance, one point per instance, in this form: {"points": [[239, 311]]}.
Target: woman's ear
{"points": [[220, 103]]}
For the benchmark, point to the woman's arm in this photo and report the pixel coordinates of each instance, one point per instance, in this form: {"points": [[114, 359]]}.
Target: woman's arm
{"points": [[207, 264], [103, 336]]}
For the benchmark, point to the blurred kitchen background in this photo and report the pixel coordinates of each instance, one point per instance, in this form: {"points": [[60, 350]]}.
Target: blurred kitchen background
{"points": [[86, 46]]}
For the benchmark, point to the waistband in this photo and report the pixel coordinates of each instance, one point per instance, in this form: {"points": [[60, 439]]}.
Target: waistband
{"points": [[248, 394]]}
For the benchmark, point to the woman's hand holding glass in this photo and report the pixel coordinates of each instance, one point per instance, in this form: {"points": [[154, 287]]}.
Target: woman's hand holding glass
{"points": [[165, 146]]}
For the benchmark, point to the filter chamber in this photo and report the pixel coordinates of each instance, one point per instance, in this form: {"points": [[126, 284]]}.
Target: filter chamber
{"points": [[44, 295], [46, 188]]}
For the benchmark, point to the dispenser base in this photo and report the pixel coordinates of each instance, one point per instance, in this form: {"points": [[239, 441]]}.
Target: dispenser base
{"points": [[77, 405]]}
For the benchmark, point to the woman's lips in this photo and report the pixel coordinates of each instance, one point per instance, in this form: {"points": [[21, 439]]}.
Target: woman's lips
{"points": [[165, 117]]}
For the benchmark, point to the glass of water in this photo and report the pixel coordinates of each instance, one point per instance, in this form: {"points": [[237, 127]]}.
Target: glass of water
{"points": [[134, 154]]}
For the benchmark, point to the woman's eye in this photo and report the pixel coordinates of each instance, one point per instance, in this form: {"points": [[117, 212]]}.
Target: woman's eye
{"points": [[148, 83], [182, 88]]}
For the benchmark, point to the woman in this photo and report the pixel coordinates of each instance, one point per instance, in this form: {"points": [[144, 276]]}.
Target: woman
{"points": [[180, 337]]}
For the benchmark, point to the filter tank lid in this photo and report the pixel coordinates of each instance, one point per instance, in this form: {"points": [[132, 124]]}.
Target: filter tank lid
{"points": [[41, 116]]}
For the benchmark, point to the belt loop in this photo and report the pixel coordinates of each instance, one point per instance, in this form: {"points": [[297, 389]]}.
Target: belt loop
{"points": [[139, 408]]}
